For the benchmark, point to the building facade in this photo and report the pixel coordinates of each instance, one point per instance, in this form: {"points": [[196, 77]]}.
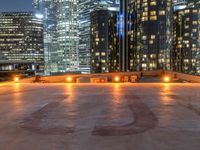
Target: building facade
{"points": [[85, 7], [186, 39], [149, 28], [21, 42], [104, 41], [67, 35], [60, 18]]}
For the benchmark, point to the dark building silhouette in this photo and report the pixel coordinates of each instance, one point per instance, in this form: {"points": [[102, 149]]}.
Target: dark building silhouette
{"points": [[149, 25], [104, 41], [186, 39], [123, 36]]}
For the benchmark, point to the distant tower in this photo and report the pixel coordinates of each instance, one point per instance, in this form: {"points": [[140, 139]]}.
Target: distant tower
{"points": [[186, 39], [67, 35], [104, 41], [60, 34], [149, 34], [21, 42], [85, 7]]}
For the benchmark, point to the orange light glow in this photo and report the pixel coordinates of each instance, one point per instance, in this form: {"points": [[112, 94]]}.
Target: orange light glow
{"points": [[16, 79], [69, 79], [166, 79], [117, 79]]}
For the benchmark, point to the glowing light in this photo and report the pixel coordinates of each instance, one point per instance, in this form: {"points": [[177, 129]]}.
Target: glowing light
{"points": [[166, 79], [69, 79], [117, 79], [113, 8], [39, 16], [16, 79], [121, 24]]}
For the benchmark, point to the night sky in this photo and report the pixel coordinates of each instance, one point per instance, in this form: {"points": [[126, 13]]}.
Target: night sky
{"points": [[15, 5]]}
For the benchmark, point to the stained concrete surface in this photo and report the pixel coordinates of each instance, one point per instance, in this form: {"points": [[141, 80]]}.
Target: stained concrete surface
{"points": [[141, 116]]}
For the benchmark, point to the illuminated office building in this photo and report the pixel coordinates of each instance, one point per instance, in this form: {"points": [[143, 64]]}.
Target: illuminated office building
{"points": [[104, 41], [186, 39], [60, 19], [147, 32], [21, 42], [67, 35], [85, 7]]}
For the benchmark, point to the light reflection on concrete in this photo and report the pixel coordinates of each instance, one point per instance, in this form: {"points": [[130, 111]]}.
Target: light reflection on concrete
{"points": [[117, 95], [165, 95], [63, 116], [70, 93], [118, 102], [17, 98]]}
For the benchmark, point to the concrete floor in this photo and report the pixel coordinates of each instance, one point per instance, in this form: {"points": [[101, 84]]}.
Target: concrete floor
{"points": [[141, 116]]}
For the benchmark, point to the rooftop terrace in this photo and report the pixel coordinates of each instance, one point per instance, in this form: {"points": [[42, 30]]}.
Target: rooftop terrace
{"points": [[96, 116]]}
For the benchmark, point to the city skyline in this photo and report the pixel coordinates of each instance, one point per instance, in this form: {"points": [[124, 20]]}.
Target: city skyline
{"points": [[140, 36]]}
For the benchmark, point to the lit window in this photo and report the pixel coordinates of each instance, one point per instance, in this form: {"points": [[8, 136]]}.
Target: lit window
{"points": [[144, 37], [103, 54], [144, 65], [161, 12], [151, 42], [153, 17], [153, 13], [153, 3], [153, 36]]}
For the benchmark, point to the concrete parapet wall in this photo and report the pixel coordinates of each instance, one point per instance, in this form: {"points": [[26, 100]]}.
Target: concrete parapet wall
{"points": [[27, 80], [83, 80], [109, 77], [99, 79], [182, 76], [80, 78], [153, 73]]}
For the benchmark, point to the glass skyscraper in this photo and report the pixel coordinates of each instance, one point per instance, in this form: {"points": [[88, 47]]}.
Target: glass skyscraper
{"points": [[85, 7], [67, 35], [67, 32], [48, 11], [60, 34]]}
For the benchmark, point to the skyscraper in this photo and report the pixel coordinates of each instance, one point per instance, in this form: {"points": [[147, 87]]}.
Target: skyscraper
{"points": [[85, 7], [21, 42], [60, 34], [48, 10], [104, 41], [67, 35], [149, 29], [186, 39]]}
